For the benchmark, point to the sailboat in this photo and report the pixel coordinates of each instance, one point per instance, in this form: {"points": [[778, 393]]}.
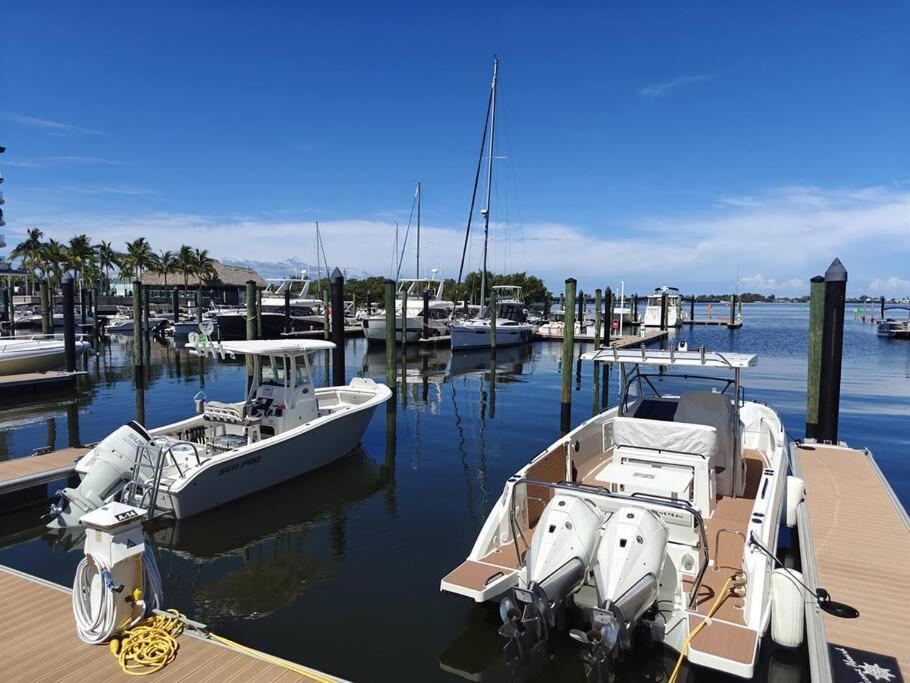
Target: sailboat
{"points": [[510, 316], [410, 296]]}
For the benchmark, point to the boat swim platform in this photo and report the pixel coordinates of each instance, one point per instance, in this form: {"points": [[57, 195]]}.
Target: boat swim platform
{"points": [[854, 538], [38, 642]]}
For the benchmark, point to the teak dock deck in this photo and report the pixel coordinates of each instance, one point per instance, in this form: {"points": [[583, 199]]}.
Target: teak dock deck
{"points": [[854, 538], [622, 342], [38, 642], [33, 382]]}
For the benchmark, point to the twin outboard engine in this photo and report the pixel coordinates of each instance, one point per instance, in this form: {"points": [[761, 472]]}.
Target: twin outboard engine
{"points": [[105, 469], [561, 551], [630, 560]]}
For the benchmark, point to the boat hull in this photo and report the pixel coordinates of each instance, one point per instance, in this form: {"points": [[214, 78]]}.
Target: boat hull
{"points": [[480, 337], [268, 463], [374, 329]]}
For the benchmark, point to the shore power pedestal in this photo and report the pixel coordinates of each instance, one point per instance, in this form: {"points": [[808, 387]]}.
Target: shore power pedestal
{"points": [[117, 581]]}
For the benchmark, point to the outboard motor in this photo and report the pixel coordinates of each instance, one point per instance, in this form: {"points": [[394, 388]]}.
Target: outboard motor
{"points": [[556, 563], [630, 560], [105, 469]]}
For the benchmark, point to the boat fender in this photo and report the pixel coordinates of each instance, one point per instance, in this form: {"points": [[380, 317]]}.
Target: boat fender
{"points": [[796, 491], [787, 601]]}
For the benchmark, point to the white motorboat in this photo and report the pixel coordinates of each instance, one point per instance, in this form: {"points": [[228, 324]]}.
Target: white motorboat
{"points": [[123, 324], [676, 316], [440, 311], [284, 427], [512, 326], [653, 522], [895, 329], [33, 354]]}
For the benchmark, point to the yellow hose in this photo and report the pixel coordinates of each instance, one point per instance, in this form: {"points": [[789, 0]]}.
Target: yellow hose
{"points": [[152, 645], [724, 592]]}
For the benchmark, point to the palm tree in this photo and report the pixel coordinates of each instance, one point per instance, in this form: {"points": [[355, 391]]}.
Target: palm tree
{"points": [[54, 262], [185, 263], [204, 265], [79, 254], [29, 253], [107, 259], [138, 257], [167, 262]]}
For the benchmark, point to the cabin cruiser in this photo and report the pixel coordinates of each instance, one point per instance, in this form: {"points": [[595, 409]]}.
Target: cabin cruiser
{"points": [[440, 311], [895, 329], [652, 522], [282, 428], [676, 316], [33, 354], [512, 326]]}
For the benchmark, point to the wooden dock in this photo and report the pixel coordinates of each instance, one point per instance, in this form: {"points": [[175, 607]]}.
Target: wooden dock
{"points": [[34, 470], [718, 322], [854, 537], [622, 342], [38, 642], [32, 382]]}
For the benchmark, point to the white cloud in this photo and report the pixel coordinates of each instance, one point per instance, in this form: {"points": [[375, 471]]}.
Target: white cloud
{"points": [[48, 126], [106, 189], [662, 89], [44, 162], [891, 285], [781, 238]]}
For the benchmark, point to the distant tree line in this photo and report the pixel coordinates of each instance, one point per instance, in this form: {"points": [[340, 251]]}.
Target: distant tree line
{"points": [[94, 266]]}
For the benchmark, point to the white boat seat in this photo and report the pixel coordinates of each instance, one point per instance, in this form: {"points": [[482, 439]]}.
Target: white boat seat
{"points": [[659, 435]]}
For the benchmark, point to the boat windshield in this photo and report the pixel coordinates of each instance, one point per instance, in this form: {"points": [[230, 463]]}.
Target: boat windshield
{"points": [[273, 370]]}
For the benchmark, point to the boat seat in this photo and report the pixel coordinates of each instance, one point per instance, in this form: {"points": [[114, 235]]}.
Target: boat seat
{"points": [[713, 410], [660, 435]]}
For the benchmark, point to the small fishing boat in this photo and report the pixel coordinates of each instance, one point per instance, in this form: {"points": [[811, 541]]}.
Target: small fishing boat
{"points": [[33, 354], [653, 522], [675, 313], [282, 428]]}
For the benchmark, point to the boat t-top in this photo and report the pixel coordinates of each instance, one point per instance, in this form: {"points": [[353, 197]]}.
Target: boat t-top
{"points": [[675, 313], [282, 427], [653, 522]]}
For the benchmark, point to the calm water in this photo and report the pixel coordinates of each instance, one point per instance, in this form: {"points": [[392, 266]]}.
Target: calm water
{"points": [[340, 569]]}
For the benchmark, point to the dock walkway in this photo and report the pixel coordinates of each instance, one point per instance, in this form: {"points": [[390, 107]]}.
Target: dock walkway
{"points": [[32, 470], [855, 542], [622, 342], [38, 642]]}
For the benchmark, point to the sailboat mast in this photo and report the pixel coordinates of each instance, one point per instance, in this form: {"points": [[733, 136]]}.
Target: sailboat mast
{"points": [[418, 229], [485, 212]]}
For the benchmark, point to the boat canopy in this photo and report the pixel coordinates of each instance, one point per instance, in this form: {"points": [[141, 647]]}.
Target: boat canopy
{"points": [[273, 347], [698, 358]]}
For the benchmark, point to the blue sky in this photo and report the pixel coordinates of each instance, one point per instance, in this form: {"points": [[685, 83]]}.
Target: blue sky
{"points": [[656, 142]]}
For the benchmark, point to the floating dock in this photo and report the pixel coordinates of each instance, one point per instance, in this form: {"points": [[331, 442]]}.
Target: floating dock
{"points": [[625, 341], [38, 642], [32, 382], [854, 538], [719, 322], [349, 331], [33, 470]]}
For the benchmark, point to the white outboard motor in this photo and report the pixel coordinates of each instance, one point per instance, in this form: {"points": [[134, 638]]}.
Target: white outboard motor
{"points": [[104, 469], [561, 552], [630, 559]]}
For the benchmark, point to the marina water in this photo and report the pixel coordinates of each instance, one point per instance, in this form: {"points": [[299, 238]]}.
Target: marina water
{"points": [[340, 569]]}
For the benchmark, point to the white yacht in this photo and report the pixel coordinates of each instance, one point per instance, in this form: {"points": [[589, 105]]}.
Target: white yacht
{"points": [[512, 326], [676, 316], [33, 354], [440, 311], [653, 522], [282, 428]]}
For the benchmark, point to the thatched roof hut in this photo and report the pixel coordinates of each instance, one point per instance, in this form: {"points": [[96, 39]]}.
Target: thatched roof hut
{"points": [[226, 277]]}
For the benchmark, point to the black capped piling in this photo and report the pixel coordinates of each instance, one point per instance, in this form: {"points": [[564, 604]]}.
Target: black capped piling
{"points": [[881, 308], [831, 351], [692, 310], [175, 305], [597, 319], [390, 333], [336, 285], [568, 350], [664, 311], [608, 323], [426, 314], [69, 324]]}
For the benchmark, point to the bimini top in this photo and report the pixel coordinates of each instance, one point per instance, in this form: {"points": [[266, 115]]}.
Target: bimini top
{"points": [[699, 358], [270, 347]]}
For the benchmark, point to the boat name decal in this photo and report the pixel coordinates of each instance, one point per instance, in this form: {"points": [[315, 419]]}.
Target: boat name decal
{"points": [[233, 467]]}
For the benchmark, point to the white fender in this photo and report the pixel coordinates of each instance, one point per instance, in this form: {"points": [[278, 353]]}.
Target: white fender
{"points": [[796, 491], [788, 621]]}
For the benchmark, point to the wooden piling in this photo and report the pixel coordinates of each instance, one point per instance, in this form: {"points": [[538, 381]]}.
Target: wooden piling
{"points": [[692, 309], [390, 333], [664, 311], [336, 285], [146, 312], [47, 314], [609, 307], [199, 304], [881, 308], [832, 352], [731, 322], [175, 304], [493, 312], [426, 314], [597, 320], [816, 320], [369, 302], [69, 324], [325, 315], [404, 317], [581, 310], [259, 332], [12, 311], [82, 305], [568, 350], [137, 324], [287, 309]]}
